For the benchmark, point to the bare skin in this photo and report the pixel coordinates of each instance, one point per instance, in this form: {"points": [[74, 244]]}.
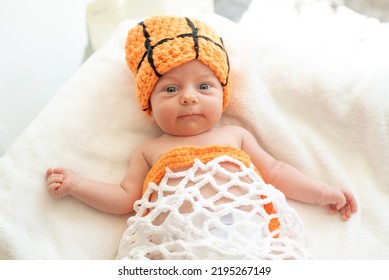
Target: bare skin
{"points": [[187, 104]]}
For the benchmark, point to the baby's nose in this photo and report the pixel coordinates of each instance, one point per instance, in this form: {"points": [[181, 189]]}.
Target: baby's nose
{"points": [[189, 97]]}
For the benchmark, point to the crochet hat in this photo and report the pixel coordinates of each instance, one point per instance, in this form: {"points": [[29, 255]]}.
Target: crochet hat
{"points": [[161, 43]]}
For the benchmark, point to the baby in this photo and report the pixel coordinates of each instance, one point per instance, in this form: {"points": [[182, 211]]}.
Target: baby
{"points": [[209, 187]]}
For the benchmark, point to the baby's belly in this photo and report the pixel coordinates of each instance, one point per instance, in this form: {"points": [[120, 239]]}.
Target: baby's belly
{"points": [[211, 190]]}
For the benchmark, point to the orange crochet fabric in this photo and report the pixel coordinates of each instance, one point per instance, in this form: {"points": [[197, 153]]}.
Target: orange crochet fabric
{"points": [[161, 43], [184, 156]]}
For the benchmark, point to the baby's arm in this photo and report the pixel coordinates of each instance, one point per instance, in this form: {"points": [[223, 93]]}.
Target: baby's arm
{"points": [[110, 198], [296, 185]]}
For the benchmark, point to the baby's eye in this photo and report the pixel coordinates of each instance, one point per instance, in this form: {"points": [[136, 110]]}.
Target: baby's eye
{"points": [[171, 89], [204, 86]]}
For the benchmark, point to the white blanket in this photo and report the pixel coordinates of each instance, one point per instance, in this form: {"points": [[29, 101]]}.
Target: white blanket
{"points": [[316, 100]]}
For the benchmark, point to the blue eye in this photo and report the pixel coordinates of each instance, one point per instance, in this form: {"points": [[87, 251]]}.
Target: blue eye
{"points": [[204, 86], [171, 89]]}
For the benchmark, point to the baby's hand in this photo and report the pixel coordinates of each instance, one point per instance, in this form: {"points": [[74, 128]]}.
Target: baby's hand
{"points": [[339, 200], [60, 182]]}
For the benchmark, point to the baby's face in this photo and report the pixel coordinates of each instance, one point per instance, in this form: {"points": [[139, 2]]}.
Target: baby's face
{"points": [[187, 100]]}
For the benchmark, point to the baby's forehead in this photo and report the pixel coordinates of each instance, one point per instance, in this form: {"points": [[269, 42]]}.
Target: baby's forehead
{"points": [[195, 67]]}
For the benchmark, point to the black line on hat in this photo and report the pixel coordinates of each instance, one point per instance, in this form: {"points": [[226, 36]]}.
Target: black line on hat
{"points": [[149, 50], [228, 60], [194, 34]]}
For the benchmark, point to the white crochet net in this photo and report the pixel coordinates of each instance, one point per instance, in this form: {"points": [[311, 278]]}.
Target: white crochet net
{"points": [[212, 211]]}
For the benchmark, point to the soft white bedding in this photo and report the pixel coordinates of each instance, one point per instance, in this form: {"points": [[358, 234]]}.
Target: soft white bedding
{"points": [[315, 95]]}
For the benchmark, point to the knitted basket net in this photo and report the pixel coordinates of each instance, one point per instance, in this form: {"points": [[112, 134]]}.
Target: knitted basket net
{"points": [[218, 210]]}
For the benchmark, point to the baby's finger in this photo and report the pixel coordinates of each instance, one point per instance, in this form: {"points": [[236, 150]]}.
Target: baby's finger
{"points": [[53, 189], [351, 201], [55, 170], [346, 215], [49, 172], [55, 178], [347, 212]]}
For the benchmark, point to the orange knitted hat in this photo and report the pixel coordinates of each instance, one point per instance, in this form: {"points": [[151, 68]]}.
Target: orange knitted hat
{"points": [[161, 43]]}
